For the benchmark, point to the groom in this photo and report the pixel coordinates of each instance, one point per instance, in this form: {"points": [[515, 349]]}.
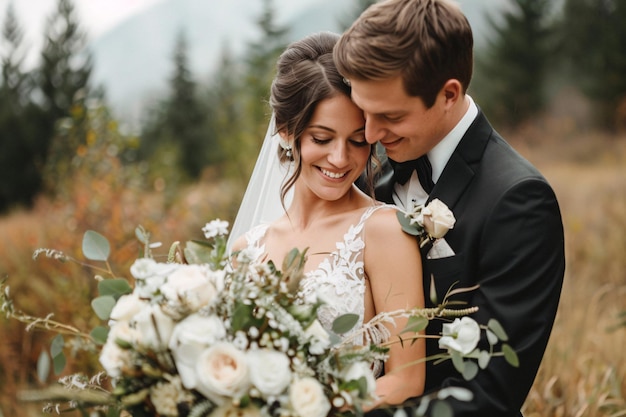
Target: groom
{"points": [[409, 63]]}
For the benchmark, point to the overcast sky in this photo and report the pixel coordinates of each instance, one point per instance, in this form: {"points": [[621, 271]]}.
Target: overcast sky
{"points": [[96, 16]]}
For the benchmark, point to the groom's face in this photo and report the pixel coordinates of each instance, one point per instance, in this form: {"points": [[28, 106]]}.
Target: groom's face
{"points": [[401, 123]]}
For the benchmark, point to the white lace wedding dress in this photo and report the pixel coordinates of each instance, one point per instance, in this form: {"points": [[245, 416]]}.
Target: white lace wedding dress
{"points": [[339, 280]]}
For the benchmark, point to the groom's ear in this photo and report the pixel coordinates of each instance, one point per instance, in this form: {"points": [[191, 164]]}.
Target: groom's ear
{"points": [[452, 91]]}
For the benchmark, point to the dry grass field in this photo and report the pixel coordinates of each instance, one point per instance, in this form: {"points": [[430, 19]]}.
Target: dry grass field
{"points": [[584, 370]]}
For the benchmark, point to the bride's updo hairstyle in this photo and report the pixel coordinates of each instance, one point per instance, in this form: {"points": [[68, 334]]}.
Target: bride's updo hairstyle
{"points": [[305, 75]]}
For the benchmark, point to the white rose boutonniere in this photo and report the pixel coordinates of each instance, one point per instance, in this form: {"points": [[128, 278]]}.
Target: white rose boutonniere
{"points": [[429, 223]]}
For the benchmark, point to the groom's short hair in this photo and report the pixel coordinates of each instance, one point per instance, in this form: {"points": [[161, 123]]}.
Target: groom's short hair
{"points": [[427, 42]]}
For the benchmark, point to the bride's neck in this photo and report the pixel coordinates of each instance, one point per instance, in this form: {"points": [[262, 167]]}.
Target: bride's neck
{"points": [[310, 211]]}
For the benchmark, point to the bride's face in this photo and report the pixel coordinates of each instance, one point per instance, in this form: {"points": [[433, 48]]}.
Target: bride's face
{"points": [[333, 149]]}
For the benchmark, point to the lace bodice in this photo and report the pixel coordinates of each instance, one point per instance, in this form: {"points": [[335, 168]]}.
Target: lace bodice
{"points": [[339, 280]]}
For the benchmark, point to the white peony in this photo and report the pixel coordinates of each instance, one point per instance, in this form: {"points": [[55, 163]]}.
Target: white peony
{"points": [[154, 328], [222, 372], [189, 287], [189, 339], [269, 371], [437, 219], [308, 399], [462, 335], [319, 338]]}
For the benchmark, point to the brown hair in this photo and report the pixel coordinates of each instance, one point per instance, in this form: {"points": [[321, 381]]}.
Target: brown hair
{"points": [[427, 42], [305, 75]]}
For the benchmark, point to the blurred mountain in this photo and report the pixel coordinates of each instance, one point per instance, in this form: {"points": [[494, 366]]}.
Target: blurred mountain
{"points": [[133, 61]]}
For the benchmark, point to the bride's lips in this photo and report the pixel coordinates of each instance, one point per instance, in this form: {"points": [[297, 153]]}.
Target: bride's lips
{"points": [[331, 174]]}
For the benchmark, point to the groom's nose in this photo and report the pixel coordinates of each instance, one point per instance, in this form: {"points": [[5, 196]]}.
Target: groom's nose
{"points": [[374, 131]]}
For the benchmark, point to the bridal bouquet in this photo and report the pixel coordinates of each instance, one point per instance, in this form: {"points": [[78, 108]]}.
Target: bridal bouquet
{"points": [[207, 333]]}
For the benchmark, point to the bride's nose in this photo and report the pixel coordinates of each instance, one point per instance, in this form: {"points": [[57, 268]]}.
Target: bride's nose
{"points": [[339, 154]]}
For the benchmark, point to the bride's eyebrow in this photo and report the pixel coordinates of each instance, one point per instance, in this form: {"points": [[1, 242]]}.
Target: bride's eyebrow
{"points": [[359, 130]]}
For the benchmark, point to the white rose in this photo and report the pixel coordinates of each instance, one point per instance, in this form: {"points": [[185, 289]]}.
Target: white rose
{"points": [[437, 218], [189, 339], [222, 372], [114, 359], [462, 335], [269, 371], [189, 287], [154, 328], [319, 338], [308, 399], [126, 307], [358, 370]]}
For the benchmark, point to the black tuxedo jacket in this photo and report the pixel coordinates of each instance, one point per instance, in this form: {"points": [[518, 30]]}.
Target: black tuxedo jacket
{"points": [[508, 238]]}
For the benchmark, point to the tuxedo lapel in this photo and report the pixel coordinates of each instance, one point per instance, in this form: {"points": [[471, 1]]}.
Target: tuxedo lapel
{"points": [[461, 166]]}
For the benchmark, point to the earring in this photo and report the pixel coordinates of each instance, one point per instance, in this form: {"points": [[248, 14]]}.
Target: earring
{"points": [[287, 148]]}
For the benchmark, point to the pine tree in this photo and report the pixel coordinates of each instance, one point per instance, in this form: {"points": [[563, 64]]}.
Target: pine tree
{"points": [[63, 83], [186, 117], [511, 73], [261, 66], [593, 43], [177, 128], [20, 157]]}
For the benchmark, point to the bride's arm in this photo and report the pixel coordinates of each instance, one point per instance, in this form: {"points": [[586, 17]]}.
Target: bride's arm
{"points": [[394, 269]]}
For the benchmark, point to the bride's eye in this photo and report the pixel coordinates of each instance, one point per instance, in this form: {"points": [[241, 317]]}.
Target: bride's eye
{"points": [[359, 143], [320, 141]]}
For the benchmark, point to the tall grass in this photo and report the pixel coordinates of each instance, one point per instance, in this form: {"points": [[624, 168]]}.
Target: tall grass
{"points": [[584, 370]]}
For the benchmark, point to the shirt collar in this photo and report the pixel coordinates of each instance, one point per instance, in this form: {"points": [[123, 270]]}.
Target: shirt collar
{"points": [[440, 154]]}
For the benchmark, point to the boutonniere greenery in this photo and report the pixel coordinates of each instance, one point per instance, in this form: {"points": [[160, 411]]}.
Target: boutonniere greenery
{"points": [[427, 222]]}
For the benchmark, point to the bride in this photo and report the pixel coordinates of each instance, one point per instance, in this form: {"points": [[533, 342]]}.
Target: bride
{"points": [[358, 260]]}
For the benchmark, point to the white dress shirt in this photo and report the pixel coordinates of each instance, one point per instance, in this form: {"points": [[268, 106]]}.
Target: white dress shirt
{"points": [[410, 193]]}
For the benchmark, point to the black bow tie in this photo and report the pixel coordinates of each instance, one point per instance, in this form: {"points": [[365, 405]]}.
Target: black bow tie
{"points": [[402, 171]]}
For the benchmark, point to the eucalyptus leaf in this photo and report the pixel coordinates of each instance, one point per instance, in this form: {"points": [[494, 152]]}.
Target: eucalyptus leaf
{"points": [[345, 323], [95, 246], [510, 355], [99, 334], [43, 366], [56, 347], [457, 361], [495, 326], [59, 362], [491, 337], [103, 306], [142, 235], [483, 359], [405, 222], [470, 370], [461, 394], [442, 409], [197, 253], [415, 324], [433, 291], [114, 287]]}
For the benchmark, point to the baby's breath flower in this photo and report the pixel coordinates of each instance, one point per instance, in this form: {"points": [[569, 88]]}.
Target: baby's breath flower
{"points": [[215, 228]]}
